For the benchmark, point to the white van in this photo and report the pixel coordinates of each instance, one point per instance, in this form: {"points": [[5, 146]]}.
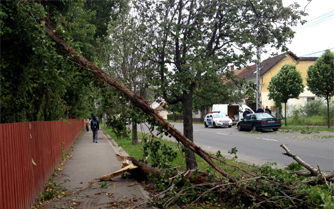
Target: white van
{"points": [[233, 111]]}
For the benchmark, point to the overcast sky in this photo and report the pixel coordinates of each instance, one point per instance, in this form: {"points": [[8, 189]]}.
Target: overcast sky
{"points": [[318, 33]]}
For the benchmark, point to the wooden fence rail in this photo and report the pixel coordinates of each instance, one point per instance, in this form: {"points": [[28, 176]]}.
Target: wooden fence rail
{"points": [[29, 153]]}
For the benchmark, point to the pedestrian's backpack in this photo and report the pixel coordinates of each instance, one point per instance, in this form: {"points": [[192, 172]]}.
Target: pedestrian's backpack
{"points": [[94, 124]]}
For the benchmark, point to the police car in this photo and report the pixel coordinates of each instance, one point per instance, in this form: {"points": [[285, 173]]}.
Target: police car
{"points": [[217, 119]]}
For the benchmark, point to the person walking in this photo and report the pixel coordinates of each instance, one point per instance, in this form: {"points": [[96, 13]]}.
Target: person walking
{"points": [[87, 122], [94, 125]]}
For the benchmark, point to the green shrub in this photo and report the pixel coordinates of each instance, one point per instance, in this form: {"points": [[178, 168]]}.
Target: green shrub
{"points": [[314, 107], [174, 116], [170, 116]]}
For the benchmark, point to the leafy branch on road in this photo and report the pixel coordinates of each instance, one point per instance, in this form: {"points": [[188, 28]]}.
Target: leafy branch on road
{"points": [[280, 188]]}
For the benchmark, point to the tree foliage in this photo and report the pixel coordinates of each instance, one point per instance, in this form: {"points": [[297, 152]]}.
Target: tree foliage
{"points": [[194, 41], [287, 84], [320, 78], [37, 82], [128, 66]]}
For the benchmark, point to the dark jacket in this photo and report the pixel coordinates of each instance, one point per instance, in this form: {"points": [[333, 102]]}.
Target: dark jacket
{"points": [[92, 126], [267, 111], [245, 113], [260, 110]]}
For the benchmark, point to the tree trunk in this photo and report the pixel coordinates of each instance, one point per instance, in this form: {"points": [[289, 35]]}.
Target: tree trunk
{"points": [[134, 133], [328, 116], [188, 127], [285, 114]]}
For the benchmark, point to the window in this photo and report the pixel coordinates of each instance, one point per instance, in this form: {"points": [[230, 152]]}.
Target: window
{"points": [[308, 99]]}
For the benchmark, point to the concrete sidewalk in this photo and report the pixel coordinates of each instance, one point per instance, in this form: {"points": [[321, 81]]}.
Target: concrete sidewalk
{"points": [[92, 160]]}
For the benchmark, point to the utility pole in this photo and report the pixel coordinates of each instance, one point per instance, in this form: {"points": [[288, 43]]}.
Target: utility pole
{"points": [[258, 89]]}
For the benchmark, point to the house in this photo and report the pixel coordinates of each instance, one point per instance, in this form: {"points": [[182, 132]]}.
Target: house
{"points": [[160, 109], [269, 68]]}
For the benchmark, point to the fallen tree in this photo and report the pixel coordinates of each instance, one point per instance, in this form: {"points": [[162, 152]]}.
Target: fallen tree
{"points": [[250, 183]]}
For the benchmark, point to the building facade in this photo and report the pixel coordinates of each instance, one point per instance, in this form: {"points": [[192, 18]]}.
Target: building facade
{"points": [[269, 68]]}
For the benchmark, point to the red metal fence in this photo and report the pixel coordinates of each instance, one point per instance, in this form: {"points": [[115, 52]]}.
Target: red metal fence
{"points": [[29, 153]]}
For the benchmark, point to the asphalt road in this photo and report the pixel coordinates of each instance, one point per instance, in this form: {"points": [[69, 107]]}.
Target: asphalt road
{"points": [[258, 148]]}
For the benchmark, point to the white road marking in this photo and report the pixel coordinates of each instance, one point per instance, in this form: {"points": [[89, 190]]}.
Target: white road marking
{"points": [[221, 133], [274, 140]]}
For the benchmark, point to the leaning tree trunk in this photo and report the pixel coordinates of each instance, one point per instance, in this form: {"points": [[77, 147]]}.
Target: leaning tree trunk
{"points": [[188, 130], [134, 133], [137, 100], [285, 114]]}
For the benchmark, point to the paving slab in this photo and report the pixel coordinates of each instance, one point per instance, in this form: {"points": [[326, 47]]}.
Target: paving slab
{"points": [[92, 160]]}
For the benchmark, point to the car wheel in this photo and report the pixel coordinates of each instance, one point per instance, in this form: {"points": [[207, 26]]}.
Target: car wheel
{"points": [[229, 126], [214, 125], [275, 129], [205, 125], [239, 127], [254, 128]]}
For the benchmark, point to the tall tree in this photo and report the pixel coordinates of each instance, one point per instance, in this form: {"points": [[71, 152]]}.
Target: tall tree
{"points": [[188, 39], [128, 66], [320, 78], [285, 85]]}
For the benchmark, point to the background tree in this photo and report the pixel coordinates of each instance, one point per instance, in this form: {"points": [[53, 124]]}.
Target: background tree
{"points": [[128, 66], [188, 39], [320, 78], [285, 85]]}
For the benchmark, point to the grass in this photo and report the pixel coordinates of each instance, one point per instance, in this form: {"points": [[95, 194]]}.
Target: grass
{"points": [[316, 120], [305, 129]]}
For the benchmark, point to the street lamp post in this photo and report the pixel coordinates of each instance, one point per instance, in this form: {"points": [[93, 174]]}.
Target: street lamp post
{"points": [[258, 90]]}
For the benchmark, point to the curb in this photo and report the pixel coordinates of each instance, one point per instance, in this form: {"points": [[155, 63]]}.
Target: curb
{"points": [[122, 152]]}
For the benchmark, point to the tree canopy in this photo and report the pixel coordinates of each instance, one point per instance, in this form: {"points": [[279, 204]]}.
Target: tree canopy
{"points": [[320, 78], [287, 84]]}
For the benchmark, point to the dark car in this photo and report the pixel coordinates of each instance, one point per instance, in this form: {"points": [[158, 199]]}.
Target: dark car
{"points": [[259, 122]]}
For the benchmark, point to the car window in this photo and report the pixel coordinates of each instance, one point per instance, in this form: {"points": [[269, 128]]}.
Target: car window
{"points": [[263, 115], [218, 116], [252, 117], [247, 117]]}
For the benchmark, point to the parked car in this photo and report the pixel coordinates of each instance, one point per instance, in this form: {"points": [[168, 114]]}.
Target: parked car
{"points": [[217, 120], [259, 122]]}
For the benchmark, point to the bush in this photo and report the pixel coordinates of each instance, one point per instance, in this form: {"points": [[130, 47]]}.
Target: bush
{"points": [[314, 107], [174, 116]]}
